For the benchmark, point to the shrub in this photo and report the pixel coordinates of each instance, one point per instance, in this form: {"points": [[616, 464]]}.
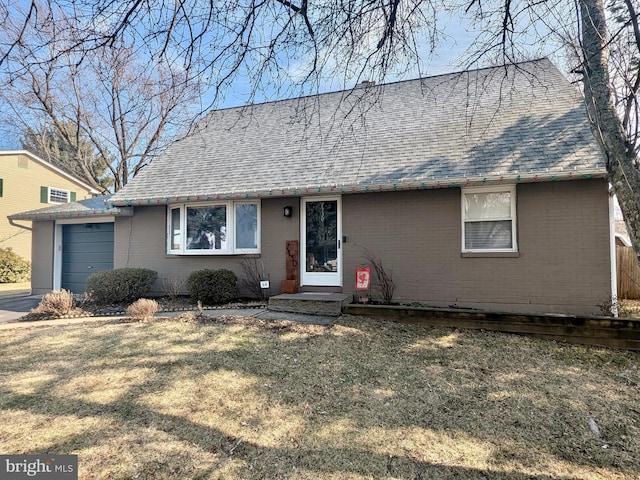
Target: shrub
{"points": [[252, 274], [213, 287], [13, 268], [611, 306], [120, 285], [384, 276], [142, 309], [173, 286], [56, 303]]}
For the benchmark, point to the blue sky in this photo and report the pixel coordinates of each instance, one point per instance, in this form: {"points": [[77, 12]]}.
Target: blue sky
{"points": [[449, 56]]}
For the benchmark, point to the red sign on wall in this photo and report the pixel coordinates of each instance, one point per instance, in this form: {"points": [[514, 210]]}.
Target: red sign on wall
{"points": [[363, 277]]}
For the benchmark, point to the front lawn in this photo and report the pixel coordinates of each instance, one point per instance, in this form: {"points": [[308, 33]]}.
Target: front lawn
{"points": [[239, 398]]}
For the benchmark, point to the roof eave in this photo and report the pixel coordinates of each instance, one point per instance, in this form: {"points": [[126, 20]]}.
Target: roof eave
{"points": [[108, 211], [400, 185]]}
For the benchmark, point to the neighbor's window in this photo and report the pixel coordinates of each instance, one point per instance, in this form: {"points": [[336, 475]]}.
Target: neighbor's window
{"points": [[214, 228], [56, 195], [489, 220]]}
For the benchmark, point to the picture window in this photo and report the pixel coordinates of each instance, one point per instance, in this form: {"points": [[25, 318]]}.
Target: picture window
{"points": [[214, 228]]}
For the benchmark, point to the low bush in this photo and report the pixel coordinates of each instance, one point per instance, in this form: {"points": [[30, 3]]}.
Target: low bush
{"points": [[385, 285], [173, 286], [56, 303], [252, 273], [213, 287], [13, 268], [121, 285], [142, 309]]}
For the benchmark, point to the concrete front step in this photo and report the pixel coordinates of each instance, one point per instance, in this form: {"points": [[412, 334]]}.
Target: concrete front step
{"points": [[310, 303]]}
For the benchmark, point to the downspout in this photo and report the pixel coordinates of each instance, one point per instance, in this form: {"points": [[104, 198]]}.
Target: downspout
{"points": [[13, 223], [612, 254]]}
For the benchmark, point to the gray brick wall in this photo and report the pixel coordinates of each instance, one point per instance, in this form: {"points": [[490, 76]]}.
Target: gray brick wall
{"points": [[144, 244], [42, 245], [563, 264]]}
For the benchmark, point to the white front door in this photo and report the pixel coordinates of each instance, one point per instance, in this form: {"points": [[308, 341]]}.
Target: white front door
{"points": [[321, 252]]}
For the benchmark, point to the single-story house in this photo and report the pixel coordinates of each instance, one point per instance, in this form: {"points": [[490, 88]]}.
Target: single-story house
{"points": [[482, 189]]}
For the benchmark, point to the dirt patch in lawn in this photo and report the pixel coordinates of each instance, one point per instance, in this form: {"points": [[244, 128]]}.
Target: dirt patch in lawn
{"points": [[234, 397]]}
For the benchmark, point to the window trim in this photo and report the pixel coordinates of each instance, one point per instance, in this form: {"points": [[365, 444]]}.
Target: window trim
{"points": [[230, 206], [49, 193], [513, 218]]}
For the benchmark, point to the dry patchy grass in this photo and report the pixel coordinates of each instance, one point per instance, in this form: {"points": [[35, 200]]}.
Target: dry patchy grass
{"points": [[364, 399], [629, 308], [20, 288]]}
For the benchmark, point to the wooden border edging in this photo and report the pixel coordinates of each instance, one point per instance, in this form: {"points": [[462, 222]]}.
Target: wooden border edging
{"points": [[602, 331]]}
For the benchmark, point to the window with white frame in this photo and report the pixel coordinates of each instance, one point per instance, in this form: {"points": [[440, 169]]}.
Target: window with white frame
{"points": [[489, 219], [221, 228], [58, 196]]}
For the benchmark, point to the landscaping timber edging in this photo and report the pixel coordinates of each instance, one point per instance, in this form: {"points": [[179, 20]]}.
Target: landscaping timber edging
{"points": [[610, 332]]}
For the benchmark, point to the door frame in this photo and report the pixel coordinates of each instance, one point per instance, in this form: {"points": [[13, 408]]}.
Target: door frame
{"points": [[323, 279]]}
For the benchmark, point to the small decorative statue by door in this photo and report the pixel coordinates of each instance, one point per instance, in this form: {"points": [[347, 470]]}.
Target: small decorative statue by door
{"points": [[290, 285]]}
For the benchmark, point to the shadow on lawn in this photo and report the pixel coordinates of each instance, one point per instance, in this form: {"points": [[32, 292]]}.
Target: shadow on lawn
{"points": [[425, 383], [219, 442]]}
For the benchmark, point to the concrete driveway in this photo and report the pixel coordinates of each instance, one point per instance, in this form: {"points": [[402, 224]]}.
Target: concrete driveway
{"points": [[15, 305]]}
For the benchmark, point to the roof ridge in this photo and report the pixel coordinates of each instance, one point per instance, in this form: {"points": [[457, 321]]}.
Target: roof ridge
{"points": [[374, 85]]}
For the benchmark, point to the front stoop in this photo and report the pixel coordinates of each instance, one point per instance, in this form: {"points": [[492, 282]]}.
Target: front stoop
{"points": [[329, 304]]}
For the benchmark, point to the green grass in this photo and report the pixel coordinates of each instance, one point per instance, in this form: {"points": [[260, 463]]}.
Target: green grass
{"points": [[364, 399]]}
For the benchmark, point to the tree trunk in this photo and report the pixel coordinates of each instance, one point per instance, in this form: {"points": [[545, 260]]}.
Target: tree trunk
{"points": [[622, 172]]}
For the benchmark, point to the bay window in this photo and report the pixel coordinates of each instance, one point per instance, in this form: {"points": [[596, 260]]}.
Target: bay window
{"points": [[489, 219], [221, 228]]}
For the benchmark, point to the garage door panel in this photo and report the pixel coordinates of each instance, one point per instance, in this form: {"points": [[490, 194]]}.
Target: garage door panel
{"points": [[94, 235], [89, 248], [88, 258], [76, 279], [103, 237], [86, 249], [95, 267]]}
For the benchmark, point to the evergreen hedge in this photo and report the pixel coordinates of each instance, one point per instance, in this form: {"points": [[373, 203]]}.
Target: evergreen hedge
{"points": [[121, 285], [213, 287]]}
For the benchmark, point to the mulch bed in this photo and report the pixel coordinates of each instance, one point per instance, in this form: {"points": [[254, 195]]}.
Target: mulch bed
{"points": [[166, 304]]}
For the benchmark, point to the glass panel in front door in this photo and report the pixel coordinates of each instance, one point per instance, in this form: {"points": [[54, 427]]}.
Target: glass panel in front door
{"points": [[322, 236]]}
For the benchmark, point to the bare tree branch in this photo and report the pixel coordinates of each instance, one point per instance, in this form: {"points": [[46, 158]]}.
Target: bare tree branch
{"points": [[292, 47], [33, 11], [112, 99]]}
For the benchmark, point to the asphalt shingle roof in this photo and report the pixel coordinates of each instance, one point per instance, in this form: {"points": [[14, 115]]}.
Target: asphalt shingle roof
{"points": [[90, 207], [521, 122]]}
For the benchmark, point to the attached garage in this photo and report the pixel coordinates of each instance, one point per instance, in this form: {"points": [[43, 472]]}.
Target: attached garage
{"points": [[70, 242], [86, 248]]}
